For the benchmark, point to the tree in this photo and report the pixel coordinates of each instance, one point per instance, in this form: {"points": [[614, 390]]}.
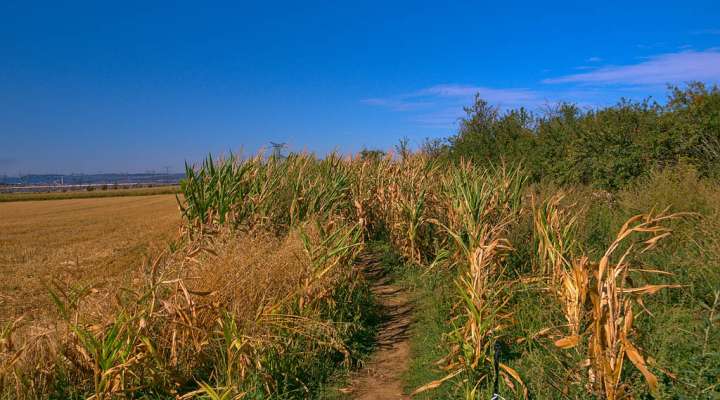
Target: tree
{"points": [[371, 154], [605, 147]]}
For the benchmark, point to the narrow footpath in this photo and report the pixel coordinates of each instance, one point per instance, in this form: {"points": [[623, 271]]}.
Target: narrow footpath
{"points": [[381, 377]]}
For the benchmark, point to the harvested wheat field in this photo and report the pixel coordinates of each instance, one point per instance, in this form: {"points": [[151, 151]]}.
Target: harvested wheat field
{"points": [[84, 241]]}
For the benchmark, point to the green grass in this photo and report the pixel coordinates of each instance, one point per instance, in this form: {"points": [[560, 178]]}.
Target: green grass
{"points": [[426, 345], [431, 296], [87, 194], [677, 336]]}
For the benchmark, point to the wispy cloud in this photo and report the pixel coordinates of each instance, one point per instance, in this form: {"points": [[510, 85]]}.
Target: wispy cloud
{"points": [[445, 93], [649, 46], [707, 32], [397, 104], [441, 105], [661, 69], [442, 118], [500, 96]]}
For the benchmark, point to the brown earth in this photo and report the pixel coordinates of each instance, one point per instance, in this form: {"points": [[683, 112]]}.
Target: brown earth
{"points": [[99, 241], [85, 194], [381, 377]]}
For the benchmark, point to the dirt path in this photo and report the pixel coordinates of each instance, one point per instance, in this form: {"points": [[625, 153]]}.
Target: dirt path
{"points": [[381, 378]]}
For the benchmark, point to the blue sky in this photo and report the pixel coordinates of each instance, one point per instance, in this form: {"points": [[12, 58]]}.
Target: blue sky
{"points": [[134, 86]]}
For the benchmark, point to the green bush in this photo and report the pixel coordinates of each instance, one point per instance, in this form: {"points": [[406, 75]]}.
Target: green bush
{"points": [[606, 148]]}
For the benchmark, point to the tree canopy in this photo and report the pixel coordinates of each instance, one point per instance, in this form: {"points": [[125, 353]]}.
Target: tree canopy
{"points": [[604, 147]]}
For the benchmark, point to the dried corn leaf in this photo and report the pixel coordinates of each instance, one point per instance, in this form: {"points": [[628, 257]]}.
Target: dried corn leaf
{"points": [[637, 359], [434, 384], [568, 342], [648, 289], [515, 376]]}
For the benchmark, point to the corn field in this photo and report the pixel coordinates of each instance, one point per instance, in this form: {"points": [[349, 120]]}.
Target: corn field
{"points": [[260, 293]]}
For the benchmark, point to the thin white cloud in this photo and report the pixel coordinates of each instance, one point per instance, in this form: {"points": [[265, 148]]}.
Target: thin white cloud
{"points": [[502, 96], [657, 70], [594, 59], [454, 95], [441, 105], [443, 118], [648, 46], [396, 104], [707, 32]]}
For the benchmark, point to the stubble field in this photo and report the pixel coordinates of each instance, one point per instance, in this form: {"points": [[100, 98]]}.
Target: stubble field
{"points": [[98, 241]]}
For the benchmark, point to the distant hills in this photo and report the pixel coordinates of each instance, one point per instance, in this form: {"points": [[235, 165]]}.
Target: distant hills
{"points": [[92, 179]]}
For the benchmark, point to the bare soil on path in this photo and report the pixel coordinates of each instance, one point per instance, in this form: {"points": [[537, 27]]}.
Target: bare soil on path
{"points": [[381, 377]]}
